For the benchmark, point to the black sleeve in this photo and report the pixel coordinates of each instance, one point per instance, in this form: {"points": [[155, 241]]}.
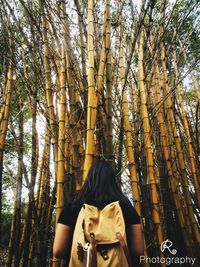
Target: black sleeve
{"points": [[130, 214], [69, 214], [66, 216]]}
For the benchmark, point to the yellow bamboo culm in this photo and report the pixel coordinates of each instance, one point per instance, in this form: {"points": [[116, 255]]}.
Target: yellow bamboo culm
{"points": [[148, 147], [109, 126], [101, 117], [6, 111], [73, 73], [61, 142], [48, 87], [92, 97], [61, 139], [130, 148], [128, 134]]}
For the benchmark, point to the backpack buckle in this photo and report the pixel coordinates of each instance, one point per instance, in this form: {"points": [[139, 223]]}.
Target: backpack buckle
{"points": [[104, 254]]}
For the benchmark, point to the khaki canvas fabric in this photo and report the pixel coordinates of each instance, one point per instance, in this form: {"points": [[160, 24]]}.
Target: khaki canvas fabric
{"points": [[105, 224]]}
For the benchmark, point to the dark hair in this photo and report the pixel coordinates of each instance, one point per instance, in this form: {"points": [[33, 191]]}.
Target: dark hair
{"points": [[100, 187]]}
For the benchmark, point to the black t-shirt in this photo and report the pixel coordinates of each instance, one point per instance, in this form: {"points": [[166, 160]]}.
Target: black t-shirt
{"points": [[70, 213]]}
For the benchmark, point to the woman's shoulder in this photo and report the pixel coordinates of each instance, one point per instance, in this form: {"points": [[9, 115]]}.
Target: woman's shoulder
{"points": [[125, 203], [69, 213], [130, 214]]}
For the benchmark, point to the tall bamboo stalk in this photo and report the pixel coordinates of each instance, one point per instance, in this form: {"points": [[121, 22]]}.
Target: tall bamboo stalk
{"points": [[129, 147], [61, 138], [148, 147], [92, 97], [48, 85], [108, 100], [4, 122], [101, 116]]}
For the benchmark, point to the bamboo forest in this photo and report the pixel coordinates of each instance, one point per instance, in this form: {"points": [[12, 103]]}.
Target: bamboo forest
{"points": [[82, 80]]}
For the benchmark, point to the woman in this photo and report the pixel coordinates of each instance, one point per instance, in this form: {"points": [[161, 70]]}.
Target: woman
{"points": [[99, 189]]}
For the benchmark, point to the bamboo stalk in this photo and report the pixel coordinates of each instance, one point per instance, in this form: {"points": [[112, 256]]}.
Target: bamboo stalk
{"points": [[48, 85], [148, 147], [129, 148], [92, 97], [61, 139], [108, 100], [4, 124]]}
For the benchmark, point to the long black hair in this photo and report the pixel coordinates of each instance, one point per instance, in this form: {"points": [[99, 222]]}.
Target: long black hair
{"points": [[100, 187]]}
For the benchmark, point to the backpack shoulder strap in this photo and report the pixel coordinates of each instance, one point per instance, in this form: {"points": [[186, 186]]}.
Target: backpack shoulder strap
{"points": [[125, 249]]}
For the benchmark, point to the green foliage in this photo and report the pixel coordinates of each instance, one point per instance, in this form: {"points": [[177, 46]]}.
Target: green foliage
{"points": [[6, 220], [194, 42]]}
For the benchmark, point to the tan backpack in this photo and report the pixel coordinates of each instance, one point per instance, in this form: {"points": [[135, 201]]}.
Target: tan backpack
{"points": [[99, 238]]}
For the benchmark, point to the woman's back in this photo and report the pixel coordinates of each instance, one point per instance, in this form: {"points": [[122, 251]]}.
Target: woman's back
{"points": [[99, 190]]}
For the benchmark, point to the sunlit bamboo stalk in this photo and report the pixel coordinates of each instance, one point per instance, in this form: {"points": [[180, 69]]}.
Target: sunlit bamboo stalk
{"points": [[92, 97], [148, 146]]}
